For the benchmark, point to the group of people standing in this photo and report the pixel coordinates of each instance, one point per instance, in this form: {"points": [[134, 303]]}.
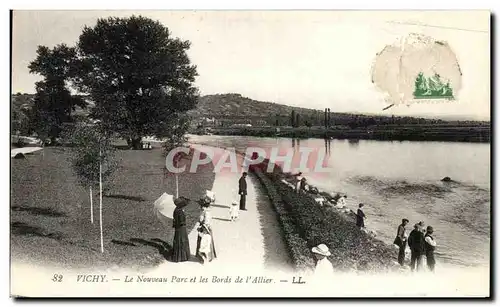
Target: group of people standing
{"points": [[205, 245], [421, 243]]}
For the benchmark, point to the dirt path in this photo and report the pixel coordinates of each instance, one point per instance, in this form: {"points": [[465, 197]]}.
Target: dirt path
{"points": [[254, 242]]}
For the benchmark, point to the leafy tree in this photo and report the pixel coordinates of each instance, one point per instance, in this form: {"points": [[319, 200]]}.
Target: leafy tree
{"points": [[176, 133], [93, 160], [292, 119], [53, 102], [19, 119], [138, 75]]}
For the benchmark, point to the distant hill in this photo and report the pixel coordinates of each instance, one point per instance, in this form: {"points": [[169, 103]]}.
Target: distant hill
{"points": [[236, 106]]}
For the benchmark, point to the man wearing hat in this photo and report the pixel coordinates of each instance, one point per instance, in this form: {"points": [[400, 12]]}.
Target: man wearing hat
{"points": [[242, 190], [180, 247], [430, 246], [323, 265], [416, 242]]}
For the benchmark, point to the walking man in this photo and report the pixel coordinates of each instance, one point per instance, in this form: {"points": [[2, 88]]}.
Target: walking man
{"points": [[430, 246], [243, 191], [416, 241], [400, 241]]}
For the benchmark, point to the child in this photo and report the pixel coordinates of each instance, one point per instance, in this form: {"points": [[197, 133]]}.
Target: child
{"points": [[206, 241], [233, 210]]}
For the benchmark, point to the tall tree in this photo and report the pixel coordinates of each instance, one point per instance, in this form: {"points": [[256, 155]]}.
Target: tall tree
{"points": [[53, 102], [326, 118], [176, 133], [93, 161], [138, 75], [292, 119]]}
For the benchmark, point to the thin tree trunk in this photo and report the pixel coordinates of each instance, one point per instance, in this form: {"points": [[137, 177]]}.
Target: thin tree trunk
{"points": [[176, 186], [136, 143], [100, 201], [91, 207]]}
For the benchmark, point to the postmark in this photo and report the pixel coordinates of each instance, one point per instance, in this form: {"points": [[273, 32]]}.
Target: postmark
{"points": [[417, 69]]}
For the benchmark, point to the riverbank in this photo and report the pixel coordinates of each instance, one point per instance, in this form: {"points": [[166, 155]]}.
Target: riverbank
{"points": [[445, 133], [306, 223], [311, 219]]}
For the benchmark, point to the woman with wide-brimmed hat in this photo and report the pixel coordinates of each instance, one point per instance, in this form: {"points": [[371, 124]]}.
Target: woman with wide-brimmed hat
{"points": [[180, 249], [205, 227], [324, 267]]}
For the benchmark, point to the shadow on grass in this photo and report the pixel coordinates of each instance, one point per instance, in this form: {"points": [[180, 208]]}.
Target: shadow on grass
{"points": [[122, 243], [222, 219], [23, 229], [163, 247], [38, 211], [126, 197]]}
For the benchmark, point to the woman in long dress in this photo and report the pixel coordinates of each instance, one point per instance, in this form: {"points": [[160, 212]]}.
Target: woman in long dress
{"points": [[205, 226], [180, 250]]}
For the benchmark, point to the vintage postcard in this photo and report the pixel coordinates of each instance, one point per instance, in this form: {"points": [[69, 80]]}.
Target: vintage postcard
{"points": [[250, 154]]}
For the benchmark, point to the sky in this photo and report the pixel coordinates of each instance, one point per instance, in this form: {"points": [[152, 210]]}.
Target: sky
{"points": [[315, 59]]}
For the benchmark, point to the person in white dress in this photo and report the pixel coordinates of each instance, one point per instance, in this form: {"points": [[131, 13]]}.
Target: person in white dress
{"points": [[324, 268], [205, 248], [341, 203], [234, 210], [205, 225]]}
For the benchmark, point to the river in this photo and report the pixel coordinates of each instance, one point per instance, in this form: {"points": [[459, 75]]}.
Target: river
{"points": [[396, 180]]}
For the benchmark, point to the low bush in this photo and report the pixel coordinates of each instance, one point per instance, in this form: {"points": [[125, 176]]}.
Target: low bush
{"points": [[307, 224]]}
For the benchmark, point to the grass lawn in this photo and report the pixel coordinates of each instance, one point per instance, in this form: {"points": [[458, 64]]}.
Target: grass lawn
{"points": [[50, 212]]}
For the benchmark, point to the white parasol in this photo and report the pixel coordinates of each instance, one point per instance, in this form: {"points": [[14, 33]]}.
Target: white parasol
{"points": [[164, 208]]}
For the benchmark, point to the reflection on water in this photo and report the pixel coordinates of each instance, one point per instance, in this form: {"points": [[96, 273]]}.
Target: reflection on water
{"points": [[353, 143], [296, 144], [328, 146], [398, 180]]}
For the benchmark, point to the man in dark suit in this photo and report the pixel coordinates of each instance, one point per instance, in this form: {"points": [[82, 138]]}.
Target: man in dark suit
{"points": [[243, 190], [416, 242]]}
